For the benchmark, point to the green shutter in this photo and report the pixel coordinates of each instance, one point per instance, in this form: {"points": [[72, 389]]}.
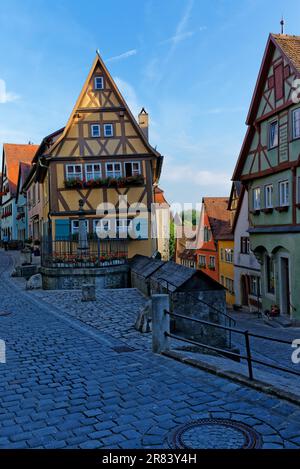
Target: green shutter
{"points": [[62, 230]]}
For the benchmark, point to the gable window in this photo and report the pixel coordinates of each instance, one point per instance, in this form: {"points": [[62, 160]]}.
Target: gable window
{"points": [[273, 135], [73, 171], [92, 171], [269, 196], [256, 198], [98, 83], [206, 234], [75, 226], [132, 169], [245, 245], [95, 130], [296, 123], [113, 170], [284, 193], [270, 273], [108, 130], [202, 261]]}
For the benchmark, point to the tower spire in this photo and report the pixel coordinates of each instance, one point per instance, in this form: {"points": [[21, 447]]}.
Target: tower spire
{"points": [[282, 22]]}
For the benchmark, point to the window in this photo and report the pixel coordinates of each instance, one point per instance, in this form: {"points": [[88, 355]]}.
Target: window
{"points": [[73, 171], [269, 196], [108, 130], [202, 261], [122, 225], [222, 254], [229, 255], [245, 245], [113, 170], [222, 279], [273, 134], [98, 83], [284, 193], [254, 285], [229, 285], [75, 226], [92, 171], [296, 123], [206, 234], [95, 130], [212, 262], [101, 225], [256, 198], [132, 169], [270, 272]]}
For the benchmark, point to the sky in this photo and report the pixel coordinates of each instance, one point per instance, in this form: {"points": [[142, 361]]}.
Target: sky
{"points": [[192, 64]]}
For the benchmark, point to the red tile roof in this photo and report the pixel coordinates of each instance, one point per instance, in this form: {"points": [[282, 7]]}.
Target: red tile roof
{"points": [[290, 45], [14, 154], [219, 217], [159, 197]]}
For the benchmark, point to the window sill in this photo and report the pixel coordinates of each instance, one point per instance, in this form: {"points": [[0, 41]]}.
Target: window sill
{"points": [[211, 268], [283, 208], [255, 212], [267, 210]]}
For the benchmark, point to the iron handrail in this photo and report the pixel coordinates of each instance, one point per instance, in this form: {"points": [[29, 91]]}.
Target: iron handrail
{"points": [[246, 335]]}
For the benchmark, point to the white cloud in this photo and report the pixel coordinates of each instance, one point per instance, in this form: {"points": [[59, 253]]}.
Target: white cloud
{"points": [[6, 96], [129, 95], [177, 38], [122, 56]]}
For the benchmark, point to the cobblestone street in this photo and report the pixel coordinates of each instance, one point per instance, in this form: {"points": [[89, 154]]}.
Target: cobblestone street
{"points": [[70, 382]]}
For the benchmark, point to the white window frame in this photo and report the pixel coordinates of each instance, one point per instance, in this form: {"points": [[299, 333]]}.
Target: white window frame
{"points": [[134, 172], [113, 172], [269, 196], [284, 193], [102, 221], [275, 142], [92, 130], [76, 175], [96, 87], [229, 255], [93, 172], [202, 260], [294, 120], [256, 198], [111, 132], [75, 230]]}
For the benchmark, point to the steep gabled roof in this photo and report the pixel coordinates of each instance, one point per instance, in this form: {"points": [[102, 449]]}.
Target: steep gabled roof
{"points": [[13, 155], [98, 61], [290, 47], [159, 196], [24, 170], [219, 217]]}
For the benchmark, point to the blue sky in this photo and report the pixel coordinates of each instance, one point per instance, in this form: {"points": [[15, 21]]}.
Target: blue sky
{"points": [[191, 63]]}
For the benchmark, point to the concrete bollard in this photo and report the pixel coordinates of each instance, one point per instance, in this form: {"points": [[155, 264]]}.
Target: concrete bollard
{"points": [[88, 292], [160, 323]]}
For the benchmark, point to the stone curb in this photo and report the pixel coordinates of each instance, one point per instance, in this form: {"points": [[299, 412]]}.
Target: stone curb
{"points": [[233, 376]]}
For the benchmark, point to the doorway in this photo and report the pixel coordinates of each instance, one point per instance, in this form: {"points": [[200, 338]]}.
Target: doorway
{"points": [[285, 286], [244, 291]]}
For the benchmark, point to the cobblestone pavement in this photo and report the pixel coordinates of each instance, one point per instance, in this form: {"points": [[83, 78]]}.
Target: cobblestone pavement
{"points": [[67, 384]]}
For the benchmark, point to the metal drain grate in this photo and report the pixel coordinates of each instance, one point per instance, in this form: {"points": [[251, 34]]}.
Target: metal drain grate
{"points": [[214, 434], [123, 349]]}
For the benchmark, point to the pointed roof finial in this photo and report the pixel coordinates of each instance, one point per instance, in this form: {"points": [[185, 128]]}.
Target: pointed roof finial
{"points": [[282, 25], [98, 52]]}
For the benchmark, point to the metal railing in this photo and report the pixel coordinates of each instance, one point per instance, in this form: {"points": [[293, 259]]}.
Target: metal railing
{"points": [[99, 253], [248, 356]]}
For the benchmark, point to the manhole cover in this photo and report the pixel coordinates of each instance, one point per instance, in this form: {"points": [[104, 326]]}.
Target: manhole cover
{"points": [[216, 434], [5, 313]]}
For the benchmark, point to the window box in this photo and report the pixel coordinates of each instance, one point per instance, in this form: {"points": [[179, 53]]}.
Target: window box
{"points": [[267, 210], [282, 208], [255, 212], [105, 182], [211, 267]]}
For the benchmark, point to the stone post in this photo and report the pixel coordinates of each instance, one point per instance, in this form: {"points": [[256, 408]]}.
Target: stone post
{"points": [[160, 323], [88, 292], [83, 245]]}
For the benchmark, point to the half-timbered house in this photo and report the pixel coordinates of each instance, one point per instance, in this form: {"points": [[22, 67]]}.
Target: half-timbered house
{"points": [[102, 157], [269, 167]]}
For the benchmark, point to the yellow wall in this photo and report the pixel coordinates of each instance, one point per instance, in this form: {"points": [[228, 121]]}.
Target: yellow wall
{"points": [[226, 269]]}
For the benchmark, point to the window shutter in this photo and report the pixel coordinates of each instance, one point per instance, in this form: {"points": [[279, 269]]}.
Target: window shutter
{"points": [[140, 226], [62, 230]]}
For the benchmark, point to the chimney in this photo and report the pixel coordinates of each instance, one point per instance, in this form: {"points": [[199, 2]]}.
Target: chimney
{"points": [[144, 122]]}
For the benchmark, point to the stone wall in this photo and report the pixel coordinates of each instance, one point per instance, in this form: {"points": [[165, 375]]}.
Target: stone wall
{"points": [[69, 279], [139, 282]]}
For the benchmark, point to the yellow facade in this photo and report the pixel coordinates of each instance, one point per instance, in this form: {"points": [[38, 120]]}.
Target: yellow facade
{"points": [[226, 268]]}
